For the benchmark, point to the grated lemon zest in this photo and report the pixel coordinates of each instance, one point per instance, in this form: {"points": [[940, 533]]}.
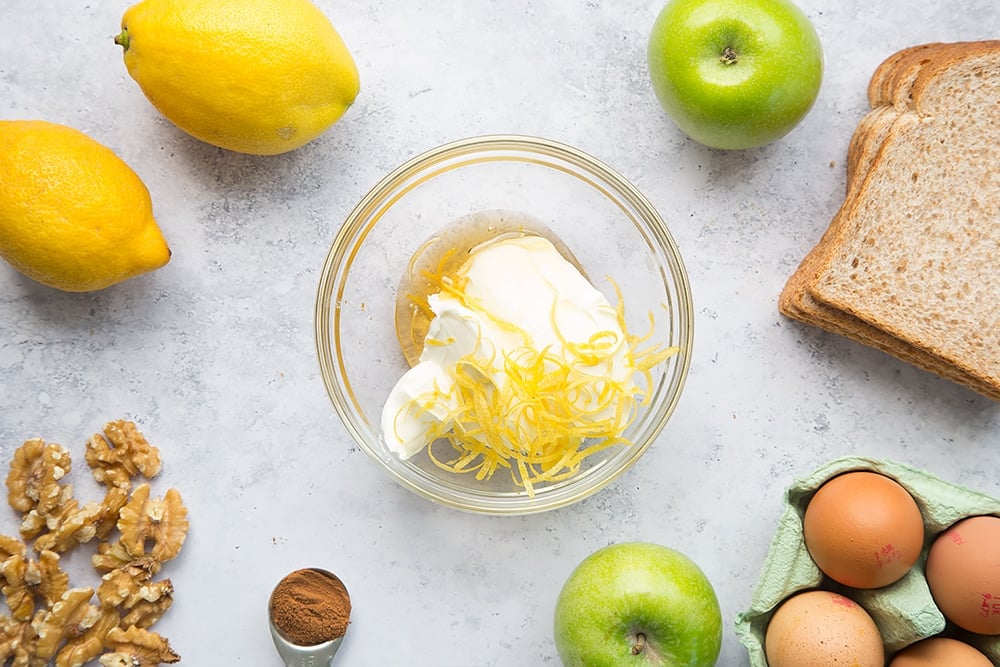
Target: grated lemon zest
{"points": [[531, 425]]}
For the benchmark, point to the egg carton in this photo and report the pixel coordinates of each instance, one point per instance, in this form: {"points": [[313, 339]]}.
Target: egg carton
{"points": [[904, 611]]}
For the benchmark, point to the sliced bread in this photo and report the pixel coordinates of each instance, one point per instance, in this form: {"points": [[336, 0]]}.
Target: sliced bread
{"points": [[910, 264]]}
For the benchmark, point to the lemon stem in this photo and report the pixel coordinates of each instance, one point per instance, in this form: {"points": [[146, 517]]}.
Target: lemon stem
{"points": [[122, 39]]}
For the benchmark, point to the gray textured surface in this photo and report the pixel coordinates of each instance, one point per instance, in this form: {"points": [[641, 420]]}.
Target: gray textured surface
{"points": [[213, 355]]}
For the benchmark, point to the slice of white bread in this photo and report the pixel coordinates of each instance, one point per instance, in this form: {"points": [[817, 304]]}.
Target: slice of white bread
{"points": [[920, 96]]}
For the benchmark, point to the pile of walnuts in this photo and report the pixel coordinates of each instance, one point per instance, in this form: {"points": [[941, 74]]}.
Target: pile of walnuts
{"points": [[47, 620]]}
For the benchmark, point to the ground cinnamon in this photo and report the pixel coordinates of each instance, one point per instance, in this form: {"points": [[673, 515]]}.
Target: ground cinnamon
{"points": [[311, 606]]}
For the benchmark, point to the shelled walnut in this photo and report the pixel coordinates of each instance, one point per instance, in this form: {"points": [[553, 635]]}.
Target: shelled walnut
{"points": [[18, 644], [120, 454], [25, 579], [71, 525], [49, 620], [136, 647], [161, 521], [68, 619], [35, 471], [113, 555], [140, 600]]}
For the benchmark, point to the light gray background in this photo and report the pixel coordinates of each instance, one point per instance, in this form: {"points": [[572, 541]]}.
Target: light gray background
{"points": [[213, 355]]}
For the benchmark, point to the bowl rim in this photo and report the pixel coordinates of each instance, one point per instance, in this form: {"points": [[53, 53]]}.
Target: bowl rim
{"points": [[347, 240]]}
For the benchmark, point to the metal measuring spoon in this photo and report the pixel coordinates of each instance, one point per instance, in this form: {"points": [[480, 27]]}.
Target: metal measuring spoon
{"points": [[294, 655]]}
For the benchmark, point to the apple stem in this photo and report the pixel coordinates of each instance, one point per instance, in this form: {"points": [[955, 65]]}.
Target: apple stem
{"points": [[729, 56], [640, 644]]}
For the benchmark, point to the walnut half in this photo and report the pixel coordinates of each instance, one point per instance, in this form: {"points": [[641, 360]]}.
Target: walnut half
{"points": [[136, 647], [17, 644], [35, 471], [160, 521], [24, 579], [121, 453], [132, 591], [69, 618], [69, 526]]}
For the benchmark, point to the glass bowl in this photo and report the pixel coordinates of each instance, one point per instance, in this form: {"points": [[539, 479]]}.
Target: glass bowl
{"points": [[616, 236]]}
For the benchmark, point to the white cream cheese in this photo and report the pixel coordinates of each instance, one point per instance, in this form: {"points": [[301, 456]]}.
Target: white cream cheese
{"points": [[512, 296]]}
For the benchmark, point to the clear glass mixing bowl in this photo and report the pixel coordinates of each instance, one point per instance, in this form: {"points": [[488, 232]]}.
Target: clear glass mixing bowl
{"points": [[611, 229]]}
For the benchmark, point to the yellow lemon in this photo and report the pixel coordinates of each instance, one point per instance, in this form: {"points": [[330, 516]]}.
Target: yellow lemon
{"points": [[253, 76], [73, 215]]}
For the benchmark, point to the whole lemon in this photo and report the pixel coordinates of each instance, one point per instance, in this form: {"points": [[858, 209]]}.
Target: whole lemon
{"points": [[73, 215], [253, 76]]}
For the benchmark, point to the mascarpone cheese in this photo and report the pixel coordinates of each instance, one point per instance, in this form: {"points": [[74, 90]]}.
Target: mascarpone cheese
{"points": [[513, 296]]}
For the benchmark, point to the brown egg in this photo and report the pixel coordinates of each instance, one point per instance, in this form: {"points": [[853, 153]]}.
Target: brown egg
{"points": [[822, 628], [863, 529], [938, 651], [963, 573]]}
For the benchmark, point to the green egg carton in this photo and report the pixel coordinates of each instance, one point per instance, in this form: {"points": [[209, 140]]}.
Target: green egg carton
{"points": [[904, 611]]}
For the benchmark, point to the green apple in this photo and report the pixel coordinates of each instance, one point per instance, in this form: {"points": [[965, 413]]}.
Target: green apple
{"points": [[637, 604], [735, 73]]}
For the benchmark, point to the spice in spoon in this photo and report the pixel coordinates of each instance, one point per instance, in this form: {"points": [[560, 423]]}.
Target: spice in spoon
{"points": [[310, 606]]}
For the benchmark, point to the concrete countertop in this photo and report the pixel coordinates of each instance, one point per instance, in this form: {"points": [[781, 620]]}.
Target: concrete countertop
{"points": [[213, 355]]}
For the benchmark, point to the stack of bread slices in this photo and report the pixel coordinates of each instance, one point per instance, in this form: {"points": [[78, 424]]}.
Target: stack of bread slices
{"points": [[910, 263]]}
